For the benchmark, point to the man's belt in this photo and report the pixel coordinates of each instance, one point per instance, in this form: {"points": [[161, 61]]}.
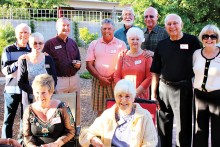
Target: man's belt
{"points": [[174, 83]]}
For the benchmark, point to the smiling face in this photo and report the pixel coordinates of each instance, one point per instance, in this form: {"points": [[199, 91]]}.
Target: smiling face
{"points": [[107, 30], [63, 28], [128, 18], [124, 102], [150, 18], [134, 42], [37, 44], [209, 39], [42, 95], [22, 35]]}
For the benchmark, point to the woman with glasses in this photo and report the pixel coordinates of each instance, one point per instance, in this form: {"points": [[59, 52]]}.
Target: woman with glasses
{"points": [[206, 66], [33, 64], [133, 65], [124, 124]]}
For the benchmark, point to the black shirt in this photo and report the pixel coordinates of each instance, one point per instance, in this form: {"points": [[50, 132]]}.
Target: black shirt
{"points": [[173, 59]]}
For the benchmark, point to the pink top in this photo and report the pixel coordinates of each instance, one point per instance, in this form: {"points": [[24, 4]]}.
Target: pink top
{"points": [[135, 68], [105, 55]]}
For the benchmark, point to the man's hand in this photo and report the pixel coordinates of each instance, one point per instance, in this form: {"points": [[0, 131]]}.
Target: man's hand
{"points": [[105, 81], [148, 53]]}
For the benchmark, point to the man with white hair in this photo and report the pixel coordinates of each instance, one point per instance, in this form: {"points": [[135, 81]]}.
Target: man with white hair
{"points": [[128, 21], [172, 73], [153, 33], [9, 65]]}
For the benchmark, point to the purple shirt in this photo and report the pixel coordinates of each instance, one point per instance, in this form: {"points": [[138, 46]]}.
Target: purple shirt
{"points": [[63, 54]]}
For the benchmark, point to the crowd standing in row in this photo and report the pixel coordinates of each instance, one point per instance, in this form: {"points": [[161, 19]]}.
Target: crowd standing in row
{"points": [[176, 57]]}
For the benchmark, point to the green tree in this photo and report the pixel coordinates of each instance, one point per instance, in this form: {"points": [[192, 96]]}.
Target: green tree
{"points": [[195, 13], [33, 3]]}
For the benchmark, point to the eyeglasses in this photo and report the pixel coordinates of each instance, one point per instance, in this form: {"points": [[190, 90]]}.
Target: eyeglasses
{"points": [[213, 37], [40, 43], [150, 16]]}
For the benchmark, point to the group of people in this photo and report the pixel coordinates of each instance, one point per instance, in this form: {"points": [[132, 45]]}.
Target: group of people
{"points": [[163, 64]]}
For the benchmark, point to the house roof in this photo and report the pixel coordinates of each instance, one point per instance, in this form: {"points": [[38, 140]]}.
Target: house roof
{"points": [[95, 5]]}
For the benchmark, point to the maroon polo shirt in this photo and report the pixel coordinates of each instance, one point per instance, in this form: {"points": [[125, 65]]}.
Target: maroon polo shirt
{"points": [[63, 54]]}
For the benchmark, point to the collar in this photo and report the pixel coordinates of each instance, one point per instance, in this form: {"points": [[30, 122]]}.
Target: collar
{"points": [[18, 48], [124, 28], [58, 38], [155, 30], [111, 42]]}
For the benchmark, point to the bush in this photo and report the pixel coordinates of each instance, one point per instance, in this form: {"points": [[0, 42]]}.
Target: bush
{"points": [[7, 36], [86, 36], [76, 33], [86, 75]]}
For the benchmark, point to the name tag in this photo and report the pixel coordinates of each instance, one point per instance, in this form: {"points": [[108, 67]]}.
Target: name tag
{"points": [[137, 62], [58, 47], [184, 46], [113, 51], [47, 65], [56, 120], [217, 59]]}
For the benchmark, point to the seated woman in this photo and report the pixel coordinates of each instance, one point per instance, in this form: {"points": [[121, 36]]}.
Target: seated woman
{"points": [[47, 122], [33, 64], [125, 124], [133, 65]]}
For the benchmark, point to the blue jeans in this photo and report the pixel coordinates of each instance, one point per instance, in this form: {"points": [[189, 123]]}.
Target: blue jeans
{"points": [[10, 108]]}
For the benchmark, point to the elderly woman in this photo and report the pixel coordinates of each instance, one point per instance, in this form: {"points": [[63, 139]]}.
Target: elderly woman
{"points": [[33, 64], [133, 65], [206, 66], [124, 124], [47, 122]]}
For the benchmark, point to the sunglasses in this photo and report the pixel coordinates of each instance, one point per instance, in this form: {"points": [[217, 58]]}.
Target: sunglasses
{"points": [[213, 37], [40, 43], [150, 16]]}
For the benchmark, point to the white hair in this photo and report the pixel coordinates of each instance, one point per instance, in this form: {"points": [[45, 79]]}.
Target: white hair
{"points": [[210, 28], [135, 31], [128, 9], [20, 26], [125, 86], [171, 15]]}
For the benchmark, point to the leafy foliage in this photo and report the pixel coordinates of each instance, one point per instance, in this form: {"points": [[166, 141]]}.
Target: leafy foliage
{"points": [[86, 75], [86, 36], [194, 13], [7, 36], [76, 33]]}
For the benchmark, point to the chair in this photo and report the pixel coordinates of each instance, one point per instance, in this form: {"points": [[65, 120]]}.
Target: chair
{"points": [[150, 105], [71, 100]]}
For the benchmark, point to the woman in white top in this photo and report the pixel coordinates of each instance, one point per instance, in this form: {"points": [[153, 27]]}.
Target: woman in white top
{"points": [[206, 66]]}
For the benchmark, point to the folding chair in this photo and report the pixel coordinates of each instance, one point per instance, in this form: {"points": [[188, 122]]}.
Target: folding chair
{"points": [[71, 100], [150, 105]]}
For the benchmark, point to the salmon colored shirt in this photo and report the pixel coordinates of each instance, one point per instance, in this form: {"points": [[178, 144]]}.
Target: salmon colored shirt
{"points": [[105, 55], [136, 69]]}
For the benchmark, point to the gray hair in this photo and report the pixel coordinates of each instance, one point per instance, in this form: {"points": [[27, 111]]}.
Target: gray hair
{"points": [[170, 15], [107, 21], [20, 26], [44, 80], [210, 28], [36, 35], [125, 86], [134, 31], [128, 9], [61, 19]]}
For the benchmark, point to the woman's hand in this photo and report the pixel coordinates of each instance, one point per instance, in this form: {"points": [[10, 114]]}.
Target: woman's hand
{"points": [[96, 142], [52, 144], [13, 142]]}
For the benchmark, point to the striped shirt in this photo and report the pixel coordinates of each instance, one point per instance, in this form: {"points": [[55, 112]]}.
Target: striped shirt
{"points": [[9, 66]]}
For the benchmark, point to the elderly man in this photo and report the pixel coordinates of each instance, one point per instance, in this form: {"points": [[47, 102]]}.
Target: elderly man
{"points": [[9, 65], [64, 51], [172, 71], [153, 33], [128, 21], [101, 59]]}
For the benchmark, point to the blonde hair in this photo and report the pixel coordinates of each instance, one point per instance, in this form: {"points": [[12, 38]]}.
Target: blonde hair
{"points": [[44, 80], [210, 28]]}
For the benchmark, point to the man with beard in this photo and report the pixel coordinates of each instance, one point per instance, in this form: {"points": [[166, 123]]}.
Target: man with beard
{"points": [[101, 59], [153, 33], [9, 65], [66, 56], [128, 21]]}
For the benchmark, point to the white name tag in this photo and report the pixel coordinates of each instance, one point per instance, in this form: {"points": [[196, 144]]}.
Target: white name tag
{"points": [[56, 120], [58, 47], [137, 62], [184, 46], [113, 51]]}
